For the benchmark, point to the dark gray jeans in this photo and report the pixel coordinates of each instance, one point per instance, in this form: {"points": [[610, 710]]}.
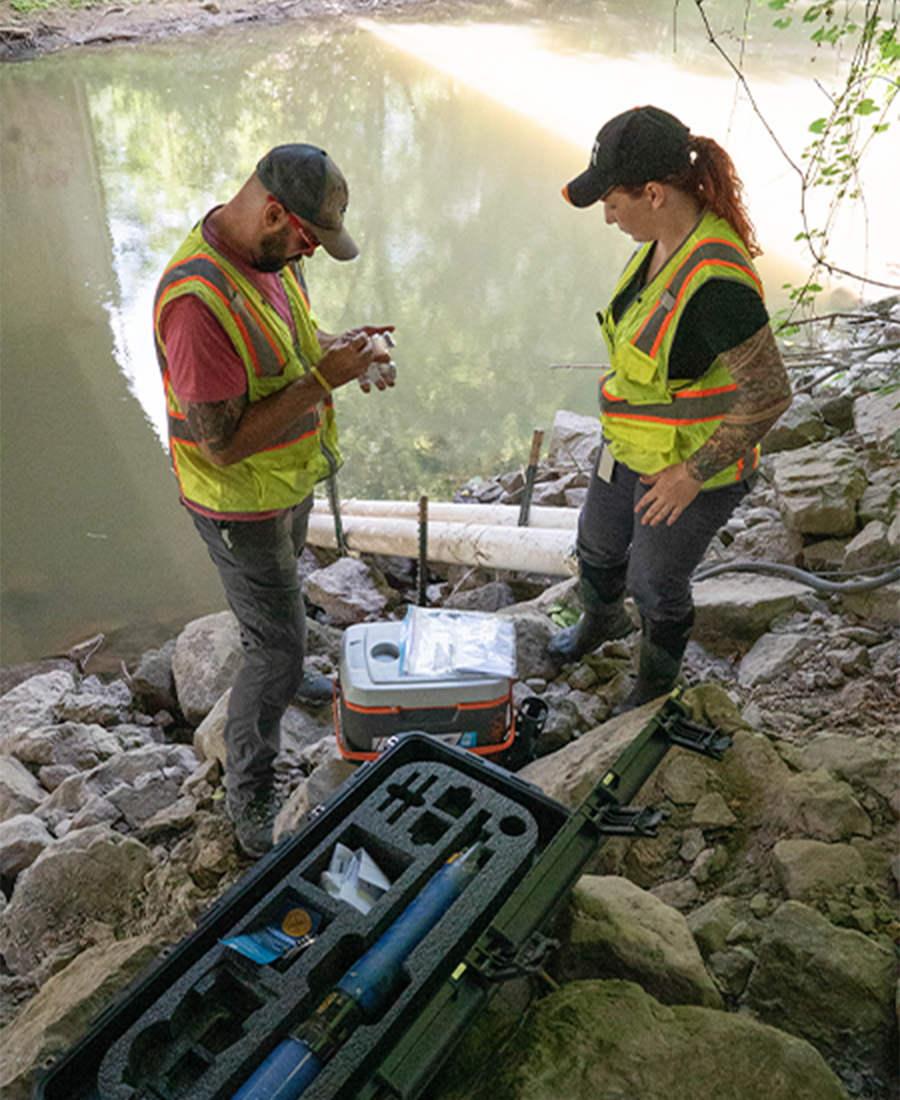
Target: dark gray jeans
{"points": [[257, 561], [660, 559]]}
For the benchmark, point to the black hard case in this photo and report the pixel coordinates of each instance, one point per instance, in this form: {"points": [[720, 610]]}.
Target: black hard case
{"points": [[198, 1025]]}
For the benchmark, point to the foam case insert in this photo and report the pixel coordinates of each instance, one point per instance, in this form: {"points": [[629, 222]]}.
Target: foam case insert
{"points": [[200, 1022]]}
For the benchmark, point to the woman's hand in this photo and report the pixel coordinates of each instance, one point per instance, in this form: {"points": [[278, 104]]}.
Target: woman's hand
{"points": [[670, 492]]}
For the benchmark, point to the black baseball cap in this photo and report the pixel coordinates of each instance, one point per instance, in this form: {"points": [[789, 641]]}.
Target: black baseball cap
{"points": [[640, 145], [306, 180]]}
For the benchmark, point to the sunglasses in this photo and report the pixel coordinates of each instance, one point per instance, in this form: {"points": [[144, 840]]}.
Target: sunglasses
{"points": [[302, 229]]}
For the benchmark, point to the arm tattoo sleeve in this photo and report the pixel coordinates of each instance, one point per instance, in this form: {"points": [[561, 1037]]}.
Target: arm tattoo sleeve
{"points": [[213, 423], [763, 394]]}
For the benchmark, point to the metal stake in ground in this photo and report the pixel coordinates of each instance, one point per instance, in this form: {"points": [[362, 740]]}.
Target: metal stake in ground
{"points": [[423, 550], [334, 500], [536, 440]]}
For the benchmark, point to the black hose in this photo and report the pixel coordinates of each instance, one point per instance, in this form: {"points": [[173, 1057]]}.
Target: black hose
{"points": [[776, 569]]}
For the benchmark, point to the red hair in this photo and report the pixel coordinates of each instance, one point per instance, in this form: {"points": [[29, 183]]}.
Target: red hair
{"points": [[713, 181]]}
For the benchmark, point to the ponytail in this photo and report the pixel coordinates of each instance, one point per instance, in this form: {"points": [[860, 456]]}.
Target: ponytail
{"points": [[713, 181]]}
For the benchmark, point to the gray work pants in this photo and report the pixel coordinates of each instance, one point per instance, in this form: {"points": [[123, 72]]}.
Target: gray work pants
{"points": [[257, 561], [660, 559]]}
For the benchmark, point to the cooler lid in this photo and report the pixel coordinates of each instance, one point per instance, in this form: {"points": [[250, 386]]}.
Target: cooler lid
{"points": [[371, 676]]}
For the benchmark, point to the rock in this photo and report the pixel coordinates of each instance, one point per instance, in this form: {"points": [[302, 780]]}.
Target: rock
{"points": [[95, 702], [490, 597], [875, 417], [74, 744], [13, 675], [878, 604], [811, 869], [731, 970], [34, 702], [818, 488], [348, 591], [533, 631], [20, 792], [824, 555], [22, 839], [832, 986], [712, 924], [681, 893], [92, 874], [555, 494], [881, 497], [868, 548], [767, 541], [143, 780], [614, 929], [153, 682], [207, 658], [711, 812], [772, 657], [574, 440], [571, 773], [735, 608], [818, 806], [596, 1040], [800, 425], [65, 1007], [861, 761], [209, 736]]}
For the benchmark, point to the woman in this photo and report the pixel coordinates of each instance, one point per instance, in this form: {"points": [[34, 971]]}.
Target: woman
{"points": [[696, 382]]}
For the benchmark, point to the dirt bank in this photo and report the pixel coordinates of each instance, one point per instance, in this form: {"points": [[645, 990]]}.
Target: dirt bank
{"points": [[25, 35]]}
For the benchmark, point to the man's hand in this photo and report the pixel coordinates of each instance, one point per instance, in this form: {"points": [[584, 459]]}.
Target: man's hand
{"points": [[353, 353], [670, 492]]}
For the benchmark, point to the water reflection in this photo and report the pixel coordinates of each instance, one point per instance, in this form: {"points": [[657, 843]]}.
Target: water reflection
{"points": [[455, 163]]}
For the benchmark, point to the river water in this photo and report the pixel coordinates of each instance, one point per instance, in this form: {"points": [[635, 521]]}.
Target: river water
{"points": [[455, 135]]}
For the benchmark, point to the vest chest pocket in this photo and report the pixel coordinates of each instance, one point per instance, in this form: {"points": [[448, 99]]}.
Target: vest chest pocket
{"points": [[638, 377]]}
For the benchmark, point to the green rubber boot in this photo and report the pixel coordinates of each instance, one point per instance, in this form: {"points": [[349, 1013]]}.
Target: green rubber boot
{"points": [[603, 614], [662, 648]]}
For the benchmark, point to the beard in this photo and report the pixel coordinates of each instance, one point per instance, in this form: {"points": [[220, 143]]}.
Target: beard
{"points": [[272, 252]]}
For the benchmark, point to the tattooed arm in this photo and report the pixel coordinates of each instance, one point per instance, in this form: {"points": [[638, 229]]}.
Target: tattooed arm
{"points": [[763, 394], [231, 430]]}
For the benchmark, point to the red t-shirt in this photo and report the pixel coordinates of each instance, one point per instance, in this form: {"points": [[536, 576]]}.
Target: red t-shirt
{"points": [[202, 361], [203, 364]]}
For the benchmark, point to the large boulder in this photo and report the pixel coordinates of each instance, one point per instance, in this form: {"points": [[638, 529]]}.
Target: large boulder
{"points": [[93, 874], [614, 929], [65, 1007], [207, 658], [832, 986], [597, 1040], [736, 608], [35, 702], [818, 488]]}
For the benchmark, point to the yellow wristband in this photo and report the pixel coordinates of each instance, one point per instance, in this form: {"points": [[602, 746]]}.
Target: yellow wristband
{"points": [[320, 378]]}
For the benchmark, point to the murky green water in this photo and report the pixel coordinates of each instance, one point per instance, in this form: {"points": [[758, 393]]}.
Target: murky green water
{"points": [[456, 139]]}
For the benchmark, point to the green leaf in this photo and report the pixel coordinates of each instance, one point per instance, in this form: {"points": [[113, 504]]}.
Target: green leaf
{"points": [[866, 107], [778, 5], [880, 127], [818, 127], [783, 24]]}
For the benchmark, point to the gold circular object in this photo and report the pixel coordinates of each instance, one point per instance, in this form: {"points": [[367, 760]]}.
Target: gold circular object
{"points": [[296, 923]]}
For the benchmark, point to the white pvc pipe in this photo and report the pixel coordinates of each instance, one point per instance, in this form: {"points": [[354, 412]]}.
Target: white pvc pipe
{"points": [[442, 511], [518, 548]]}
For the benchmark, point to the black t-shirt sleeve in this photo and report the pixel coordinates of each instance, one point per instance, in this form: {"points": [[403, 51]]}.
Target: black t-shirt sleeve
{"points": [[722, 314]]}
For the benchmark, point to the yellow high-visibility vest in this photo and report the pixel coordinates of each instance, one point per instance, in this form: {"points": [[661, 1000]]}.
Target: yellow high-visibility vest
{"points": [[284, 474], [649, 420]]}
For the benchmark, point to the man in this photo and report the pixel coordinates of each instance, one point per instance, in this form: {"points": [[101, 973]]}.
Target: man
{"points": [[248, 377]]}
